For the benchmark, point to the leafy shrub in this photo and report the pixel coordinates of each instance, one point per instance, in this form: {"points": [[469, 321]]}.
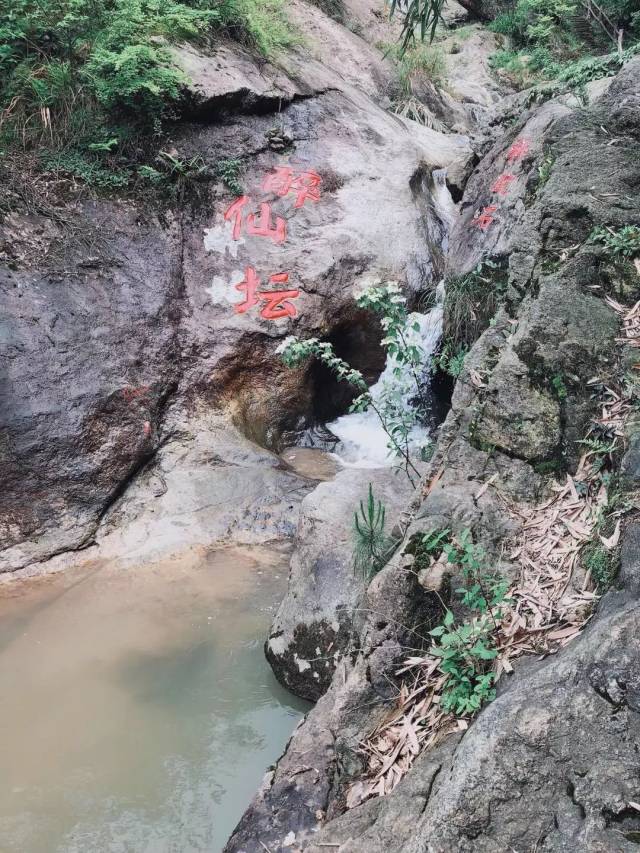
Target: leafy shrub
{"points": [[229, 173], [451, 358], [399, 407], [88, 169], [73, 70], [621, 244], [467, 649]]}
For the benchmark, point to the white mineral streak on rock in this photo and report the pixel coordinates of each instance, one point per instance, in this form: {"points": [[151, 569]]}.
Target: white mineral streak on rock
{"points": [[218, 239], [302, 664], [223, 291]]}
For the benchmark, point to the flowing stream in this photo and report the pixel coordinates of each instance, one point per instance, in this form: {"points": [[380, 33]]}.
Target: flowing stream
{"points": [[138, 713], [362, 442]]}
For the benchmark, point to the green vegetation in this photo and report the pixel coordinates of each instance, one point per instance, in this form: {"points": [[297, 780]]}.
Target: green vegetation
{"points": [[553, 39], [229, 172], [450, 359], [466, 648], [415, 64], [622, 244], [421, 16], [471, 301], [372, 546], [559, 388], [602, 564], [399, 407], [89, 84], [544, 169]]}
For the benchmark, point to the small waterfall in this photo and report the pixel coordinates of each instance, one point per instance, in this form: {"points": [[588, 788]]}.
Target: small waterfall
{"points": [[362, 443]]}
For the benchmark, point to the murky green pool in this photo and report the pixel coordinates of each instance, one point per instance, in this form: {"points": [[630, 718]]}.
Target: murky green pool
{"points": [[137, 713]]}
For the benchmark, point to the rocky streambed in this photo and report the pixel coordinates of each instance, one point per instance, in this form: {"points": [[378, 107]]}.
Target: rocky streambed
{"points": [[148, 419]]}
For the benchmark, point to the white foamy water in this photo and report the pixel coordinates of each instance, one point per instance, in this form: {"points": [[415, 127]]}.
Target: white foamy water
{"points": [[363, 442]]}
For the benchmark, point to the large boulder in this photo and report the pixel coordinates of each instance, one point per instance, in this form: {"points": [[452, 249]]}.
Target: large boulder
{"points": [[116, 313], [314, 625]]}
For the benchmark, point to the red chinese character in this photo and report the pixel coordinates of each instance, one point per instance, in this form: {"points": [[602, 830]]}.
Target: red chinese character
{"points": [[278, 181], [501, 185], [277, 300], [307, 186], [277, 304], [235, 212], [484, 219], [264, 228], [282, 181], [260, 228], [249, 285], [517, 150]]}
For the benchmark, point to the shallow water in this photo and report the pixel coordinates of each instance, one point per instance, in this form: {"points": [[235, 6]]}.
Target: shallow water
{"points": [[137, 712]]}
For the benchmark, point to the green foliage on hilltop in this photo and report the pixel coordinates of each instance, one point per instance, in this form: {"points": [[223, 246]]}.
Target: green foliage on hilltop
{"points": [[96, 79], [554, 39]]}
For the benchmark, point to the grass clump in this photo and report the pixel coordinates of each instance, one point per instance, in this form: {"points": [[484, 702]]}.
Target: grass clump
{"points": [[471, 301], [418, 64]]}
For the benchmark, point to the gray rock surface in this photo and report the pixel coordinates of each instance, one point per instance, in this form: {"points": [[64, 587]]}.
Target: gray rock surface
{"points": [[314, 625], [553, 763]]}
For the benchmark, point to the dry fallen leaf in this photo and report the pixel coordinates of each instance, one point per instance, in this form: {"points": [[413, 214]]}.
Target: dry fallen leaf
{"points": [[611, 542]]}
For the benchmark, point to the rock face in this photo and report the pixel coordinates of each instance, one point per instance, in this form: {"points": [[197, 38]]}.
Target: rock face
{"points": [[314, 625], [115, 315], [551, 764]]}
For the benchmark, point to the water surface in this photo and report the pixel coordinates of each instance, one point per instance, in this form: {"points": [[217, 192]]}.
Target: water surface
{"points": [[137, 713]]}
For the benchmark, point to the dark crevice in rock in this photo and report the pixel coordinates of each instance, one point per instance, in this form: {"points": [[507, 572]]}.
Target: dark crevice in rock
{"points": [[216, 109], [571, 793]]}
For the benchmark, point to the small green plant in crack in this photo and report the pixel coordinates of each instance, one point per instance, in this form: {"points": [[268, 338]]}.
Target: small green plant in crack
{"points": [[427, 549], [544, 169], [621, 244], [182, 170], [549, 467], [559, 387], [450, 359], [600, 448], [229, 172], [372, 546], [602, 565]]}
